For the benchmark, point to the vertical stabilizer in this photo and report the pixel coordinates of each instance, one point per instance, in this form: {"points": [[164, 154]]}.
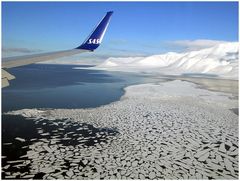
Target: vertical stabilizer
{"points": [[95, 38]]}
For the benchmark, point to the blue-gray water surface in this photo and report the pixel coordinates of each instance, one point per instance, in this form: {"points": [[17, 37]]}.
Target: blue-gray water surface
{"points": [[61, 86]]}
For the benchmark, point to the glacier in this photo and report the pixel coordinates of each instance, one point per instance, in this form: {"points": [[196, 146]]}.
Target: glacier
{"points": [[220, 60]]}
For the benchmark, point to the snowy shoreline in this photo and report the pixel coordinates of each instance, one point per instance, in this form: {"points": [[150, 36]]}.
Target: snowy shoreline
{"points": [[169, 130]]}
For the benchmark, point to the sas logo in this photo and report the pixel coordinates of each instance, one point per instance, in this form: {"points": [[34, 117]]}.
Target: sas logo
{"points": [[94, 41]]}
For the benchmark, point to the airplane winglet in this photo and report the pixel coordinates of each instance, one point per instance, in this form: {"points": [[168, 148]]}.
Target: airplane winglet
{"points": [[95, 38]]}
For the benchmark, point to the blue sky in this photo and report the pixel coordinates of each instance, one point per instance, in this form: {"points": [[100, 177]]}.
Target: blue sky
{"points": [[136, 28]]}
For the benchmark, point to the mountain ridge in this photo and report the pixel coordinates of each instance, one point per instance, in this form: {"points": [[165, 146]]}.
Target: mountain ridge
{"points": [[220, 60]]}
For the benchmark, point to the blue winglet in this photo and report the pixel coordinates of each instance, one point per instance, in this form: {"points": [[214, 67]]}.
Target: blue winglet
{"points": [[95, 38]]}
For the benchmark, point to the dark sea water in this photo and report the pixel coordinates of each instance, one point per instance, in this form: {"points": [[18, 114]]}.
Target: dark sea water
{"points": [[61, 86], [54, 86]]}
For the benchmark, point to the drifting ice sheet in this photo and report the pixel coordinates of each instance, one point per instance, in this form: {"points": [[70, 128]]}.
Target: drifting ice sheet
{"points": [[171, 130]]}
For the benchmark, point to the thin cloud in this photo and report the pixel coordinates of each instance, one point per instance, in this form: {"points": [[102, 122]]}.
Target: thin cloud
{"points": [[190, 45], [19, 50], [122, 52], [118, 41]]}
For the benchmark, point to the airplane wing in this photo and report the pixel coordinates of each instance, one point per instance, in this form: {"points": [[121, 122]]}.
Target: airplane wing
{"points": [[89, 45]]}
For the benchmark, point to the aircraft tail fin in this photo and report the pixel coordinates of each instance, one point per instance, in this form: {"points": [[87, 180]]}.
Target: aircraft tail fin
{"points": [[95, 38]]}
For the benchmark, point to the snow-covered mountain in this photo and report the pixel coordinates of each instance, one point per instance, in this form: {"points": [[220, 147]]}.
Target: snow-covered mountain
{"points": [[220, 60]]}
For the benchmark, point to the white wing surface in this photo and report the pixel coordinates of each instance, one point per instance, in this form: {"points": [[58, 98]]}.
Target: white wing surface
{"points": [[89, 45]]}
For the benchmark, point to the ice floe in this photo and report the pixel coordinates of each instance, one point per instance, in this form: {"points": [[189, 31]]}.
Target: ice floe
{"points": [[171, 130], [20, 139]]}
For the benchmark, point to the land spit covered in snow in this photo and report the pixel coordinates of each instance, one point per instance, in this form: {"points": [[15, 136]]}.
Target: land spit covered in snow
{"points": [[170, 130]]}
